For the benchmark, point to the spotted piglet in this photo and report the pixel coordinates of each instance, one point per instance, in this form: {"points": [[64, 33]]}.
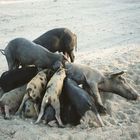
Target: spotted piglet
{"points": [[51, 97], [29, 110], [11, 100], [35, 90]]}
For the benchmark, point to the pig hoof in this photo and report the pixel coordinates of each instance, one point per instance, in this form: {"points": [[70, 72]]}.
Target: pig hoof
{"points": [[61, 126], [52, 124], [17, 114], [37, 122], [7, 118]]}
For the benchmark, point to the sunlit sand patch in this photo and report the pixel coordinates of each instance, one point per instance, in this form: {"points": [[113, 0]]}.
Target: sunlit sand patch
{"points": [[13, 1]]}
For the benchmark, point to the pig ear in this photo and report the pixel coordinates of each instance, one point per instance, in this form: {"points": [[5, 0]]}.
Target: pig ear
{"points": [[116, 74]]}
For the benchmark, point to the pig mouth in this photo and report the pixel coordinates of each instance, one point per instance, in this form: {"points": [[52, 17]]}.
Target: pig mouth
{"points": [[135, 96], [132, 95]]}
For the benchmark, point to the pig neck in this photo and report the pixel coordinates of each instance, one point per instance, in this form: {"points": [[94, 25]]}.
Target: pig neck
{"points": [[106, 85], [54, 55]]}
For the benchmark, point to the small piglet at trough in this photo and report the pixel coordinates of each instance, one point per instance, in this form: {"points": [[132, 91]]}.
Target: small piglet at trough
{"points": [[29, 110], [21, 51], [82, 101], [11, 100], [36, 89], [59, 39], [93, 80], [51, 97], [15, 78]]}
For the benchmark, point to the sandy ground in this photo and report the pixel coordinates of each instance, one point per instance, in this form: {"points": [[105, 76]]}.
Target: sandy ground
{"points": [[108, 39]]}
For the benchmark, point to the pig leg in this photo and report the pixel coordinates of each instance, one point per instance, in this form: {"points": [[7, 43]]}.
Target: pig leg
{"points": [[25, 98], [41, 111], [91, 90], [96, 95], [1, 92], [7, 114], [56, 106], [97, 116], [2, 111], [91, 119], [11, 62], [36, 108]]}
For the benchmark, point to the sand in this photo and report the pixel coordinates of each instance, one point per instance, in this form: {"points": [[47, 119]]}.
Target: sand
{"points": [[108, 39]]}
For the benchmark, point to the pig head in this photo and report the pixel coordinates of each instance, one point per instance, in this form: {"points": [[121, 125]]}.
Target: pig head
{"points": [[117, 83]]}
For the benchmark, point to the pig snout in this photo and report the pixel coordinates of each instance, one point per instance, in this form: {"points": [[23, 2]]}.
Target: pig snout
{"points": [[134, 95]]}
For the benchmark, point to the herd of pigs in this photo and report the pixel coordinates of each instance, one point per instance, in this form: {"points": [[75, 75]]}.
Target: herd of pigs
{"points": [[43, 85]]}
